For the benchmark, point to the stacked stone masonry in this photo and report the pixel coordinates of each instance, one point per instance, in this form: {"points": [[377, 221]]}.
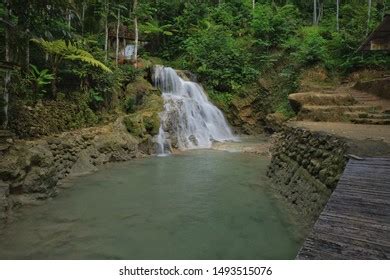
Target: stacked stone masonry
{"points": [[305, 168]]}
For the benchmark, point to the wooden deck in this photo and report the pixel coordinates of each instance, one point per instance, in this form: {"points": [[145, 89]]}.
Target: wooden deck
{"points": [[355, 224]]}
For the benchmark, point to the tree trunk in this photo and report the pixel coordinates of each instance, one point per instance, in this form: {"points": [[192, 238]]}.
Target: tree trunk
{"points": [[368, 17], [69, 20], [7, 78], [54, 82], [117, 38], [135, 33], [27, 59], [315, 12], [320, 11], [338, 15], [106, 37], [253, 4], [83, 17]]}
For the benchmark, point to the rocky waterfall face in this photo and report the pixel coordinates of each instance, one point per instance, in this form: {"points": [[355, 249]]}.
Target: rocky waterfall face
{"points": [[189, 119]]}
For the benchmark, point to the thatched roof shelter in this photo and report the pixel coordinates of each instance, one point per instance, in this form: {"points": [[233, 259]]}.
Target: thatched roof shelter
{"points": [[379, 40]]}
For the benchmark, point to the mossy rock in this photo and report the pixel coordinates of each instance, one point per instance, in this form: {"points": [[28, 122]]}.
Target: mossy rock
{"points": [[49, 117], [146, 121], [151, 122], [145, 103], [153, 103], [142, 124], [138, 96], [135, 125], [140, 86]]}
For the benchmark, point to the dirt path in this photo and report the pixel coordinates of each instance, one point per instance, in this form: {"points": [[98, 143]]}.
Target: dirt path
{"points": [[363, 140], [349, 130]]}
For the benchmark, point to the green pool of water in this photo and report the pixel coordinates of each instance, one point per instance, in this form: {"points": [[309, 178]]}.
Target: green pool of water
{"points": [[197, 205]]}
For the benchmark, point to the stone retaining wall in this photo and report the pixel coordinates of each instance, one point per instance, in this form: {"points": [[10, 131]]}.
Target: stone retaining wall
{"points": [[305, 168], [49, 117], [379, 87], [31, 170]]}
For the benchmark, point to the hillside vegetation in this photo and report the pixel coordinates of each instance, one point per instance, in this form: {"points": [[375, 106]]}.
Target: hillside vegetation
{"points": [[61, 64]]}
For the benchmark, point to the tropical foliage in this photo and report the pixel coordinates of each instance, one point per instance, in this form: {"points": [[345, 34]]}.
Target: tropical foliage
{"points": [[39, 80], [229, 44]]}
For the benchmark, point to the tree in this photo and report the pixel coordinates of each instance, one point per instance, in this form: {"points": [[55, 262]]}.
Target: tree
{"points": [[368, 17], [118, 25], [337, 15], [135, 32], [117, 37], [7, 78], [103, 11], [105, 15], [84, 7], [154, 32], [60, 50]]}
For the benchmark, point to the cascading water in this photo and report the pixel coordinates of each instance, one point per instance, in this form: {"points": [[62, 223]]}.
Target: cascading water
{"points": [[189, 120]]}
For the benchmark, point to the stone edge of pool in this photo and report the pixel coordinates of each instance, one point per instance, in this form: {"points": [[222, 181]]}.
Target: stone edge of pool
{"points": [[31, 171], [304, 170]]}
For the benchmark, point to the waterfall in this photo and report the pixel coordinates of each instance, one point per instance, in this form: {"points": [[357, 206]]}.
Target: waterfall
{"points": [[189, 119]]}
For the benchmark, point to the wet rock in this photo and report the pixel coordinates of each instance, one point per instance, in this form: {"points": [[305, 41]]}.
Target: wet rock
{"points": [[193, 139], [83, 165], [305, 168], [31, 170], [4, 193]]}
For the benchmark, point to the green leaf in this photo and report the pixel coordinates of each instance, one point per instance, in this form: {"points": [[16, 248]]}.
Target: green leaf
{"points": [[60, 49]]}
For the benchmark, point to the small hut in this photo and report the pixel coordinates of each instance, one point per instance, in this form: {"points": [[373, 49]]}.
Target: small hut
{"points": [[126, 40], [379, 40]]}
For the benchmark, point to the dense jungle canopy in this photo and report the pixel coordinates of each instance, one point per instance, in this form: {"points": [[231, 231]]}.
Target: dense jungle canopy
{"points": [[73, 50]]}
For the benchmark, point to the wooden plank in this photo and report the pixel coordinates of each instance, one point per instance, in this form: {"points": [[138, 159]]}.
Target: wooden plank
{"points": [[371, 192], [355, 223]]}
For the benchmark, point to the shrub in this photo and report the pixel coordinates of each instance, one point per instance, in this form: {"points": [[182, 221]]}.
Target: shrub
{"points": [[130, 104], [219, 59], [309, 47], [222, 99]]}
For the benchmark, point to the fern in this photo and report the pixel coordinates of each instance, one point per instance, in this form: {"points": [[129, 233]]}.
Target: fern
{"points": [[61, 50], [153, 28]]}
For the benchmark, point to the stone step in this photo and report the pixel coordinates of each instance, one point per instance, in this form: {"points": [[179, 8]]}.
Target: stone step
{"points": [[366, 99], [365, 115], [344, 109], [334, 113], [4, 146], [6, 134], [371, 121], [303, 99], [6, 140]]}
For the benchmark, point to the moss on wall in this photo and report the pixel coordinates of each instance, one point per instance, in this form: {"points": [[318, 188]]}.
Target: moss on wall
{"points": [[49, 117], [305, 168], [147, 103]]}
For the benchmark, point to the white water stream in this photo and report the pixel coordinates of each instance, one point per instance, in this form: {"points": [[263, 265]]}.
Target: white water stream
{"points": [[189, 120]]}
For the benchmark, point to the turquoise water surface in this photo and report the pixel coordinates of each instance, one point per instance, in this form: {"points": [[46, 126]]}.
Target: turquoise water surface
{"points": [[202, 204]]}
